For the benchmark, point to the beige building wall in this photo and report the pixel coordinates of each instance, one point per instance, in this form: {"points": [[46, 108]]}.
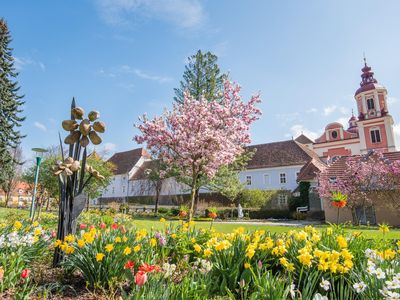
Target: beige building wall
{"points": [[383, 214]]}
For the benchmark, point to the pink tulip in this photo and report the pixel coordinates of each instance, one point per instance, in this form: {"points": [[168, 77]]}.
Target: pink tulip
{"points": [[140, 278]]}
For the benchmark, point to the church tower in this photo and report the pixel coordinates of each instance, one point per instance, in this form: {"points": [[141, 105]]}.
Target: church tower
{"points": [[375, 124]]}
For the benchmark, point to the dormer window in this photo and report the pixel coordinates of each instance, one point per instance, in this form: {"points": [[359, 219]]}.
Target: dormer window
{"points": [[334, 134], [370, 104], [375, 136]]}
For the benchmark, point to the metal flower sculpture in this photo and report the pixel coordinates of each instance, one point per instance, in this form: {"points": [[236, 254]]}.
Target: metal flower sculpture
{"points": [[72, 169]]}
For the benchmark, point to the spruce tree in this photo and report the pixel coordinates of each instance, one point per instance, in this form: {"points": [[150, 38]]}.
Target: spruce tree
{"points": [[202, 77], [10, 105]]}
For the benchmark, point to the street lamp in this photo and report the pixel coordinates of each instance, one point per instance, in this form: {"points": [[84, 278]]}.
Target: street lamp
{"points": [[39, 153]]}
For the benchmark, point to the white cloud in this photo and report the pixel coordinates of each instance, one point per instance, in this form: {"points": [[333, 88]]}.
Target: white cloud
{"points": [[185, 14], [102, 72], [299, 129], [311, 110], [40, 126], [21, 62], [288, 117], [109, 147], [330, 109], [333, 108], [145, 75], [344, 121]]}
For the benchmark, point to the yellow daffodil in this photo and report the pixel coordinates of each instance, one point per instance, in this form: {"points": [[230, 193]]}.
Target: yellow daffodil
{"points": [[153, 242], [197, 248], [81, 243], [127, 250], [17, 225], [99, 256], [109, 247], [341, 240], [137, 248]]}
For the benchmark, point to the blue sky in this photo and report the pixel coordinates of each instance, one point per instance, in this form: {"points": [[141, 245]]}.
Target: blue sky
{"points": [[124, 57]]}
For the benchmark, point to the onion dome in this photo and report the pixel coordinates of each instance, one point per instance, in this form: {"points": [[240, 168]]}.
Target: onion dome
{"points": [[352, 124], [368, 82]]}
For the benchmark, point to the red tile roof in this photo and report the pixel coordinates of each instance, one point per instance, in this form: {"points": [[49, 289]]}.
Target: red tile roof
{"points": [[125, 161], [285, 153], [336, 169], [302, 139]]}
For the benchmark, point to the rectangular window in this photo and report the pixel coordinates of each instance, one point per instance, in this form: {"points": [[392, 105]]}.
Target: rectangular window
{"points": [[370, 103], [375, 136], [282, 199], [332, 179], [282, 178], [266, 179], [248, 180], [123, 189]]}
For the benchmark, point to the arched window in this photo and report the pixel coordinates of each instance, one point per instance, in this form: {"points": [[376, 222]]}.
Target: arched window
{"points": [[334, 134], [375, 135], [370, 104]]}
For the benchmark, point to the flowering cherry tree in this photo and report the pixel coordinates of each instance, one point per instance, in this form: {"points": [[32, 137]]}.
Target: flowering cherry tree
{"points": [[366, 180], [199, 136]]}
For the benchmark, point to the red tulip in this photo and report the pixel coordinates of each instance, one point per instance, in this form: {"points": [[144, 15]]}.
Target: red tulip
{"points": [[114, 226], [25, 273], [140, 278], [148, 268], [92, 227], [103, 225], [53, 233], [129, 264], [82, 226]]}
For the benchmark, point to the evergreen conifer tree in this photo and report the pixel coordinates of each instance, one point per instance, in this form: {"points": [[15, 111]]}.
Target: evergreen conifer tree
{"points": [[202, 77], [10, 105]]}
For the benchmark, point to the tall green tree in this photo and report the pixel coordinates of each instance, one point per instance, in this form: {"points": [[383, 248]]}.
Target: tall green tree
{"points": [[202, 77], [10, 105]]}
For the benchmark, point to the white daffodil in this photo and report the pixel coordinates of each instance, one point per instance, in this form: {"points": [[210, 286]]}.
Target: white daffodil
{"points": [[325, 284], [318, 296], [292, 290], [359, 287], [380, 274]]}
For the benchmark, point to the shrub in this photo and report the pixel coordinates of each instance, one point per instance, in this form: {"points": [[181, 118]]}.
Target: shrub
{"points": [[124, 207], [299, 216], [163, 210], [256, 198]]}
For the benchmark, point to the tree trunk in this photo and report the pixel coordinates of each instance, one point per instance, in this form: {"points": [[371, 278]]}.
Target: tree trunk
{"points": [[7, 198], [196, 200], [48, 203], [158, 191], [193, 196], [40, 205]]}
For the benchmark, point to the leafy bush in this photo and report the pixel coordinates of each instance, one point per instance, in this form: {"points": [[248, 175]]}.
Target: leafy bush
{"points": [[299, 216], [256, 198]]}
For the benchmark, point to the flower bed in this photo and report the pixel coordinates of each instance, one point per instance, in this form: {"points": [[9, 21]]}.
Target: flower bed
{"points": [[182, 262]]}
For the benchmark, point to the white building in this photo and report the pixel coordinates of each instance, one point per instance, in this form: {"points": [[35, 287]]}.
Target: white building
{"points": [[274, 166]]}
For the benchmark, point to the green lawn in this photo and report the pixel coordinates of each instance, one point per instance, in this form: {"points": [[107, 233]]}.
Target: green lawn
{"points": [[371, 232]]}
